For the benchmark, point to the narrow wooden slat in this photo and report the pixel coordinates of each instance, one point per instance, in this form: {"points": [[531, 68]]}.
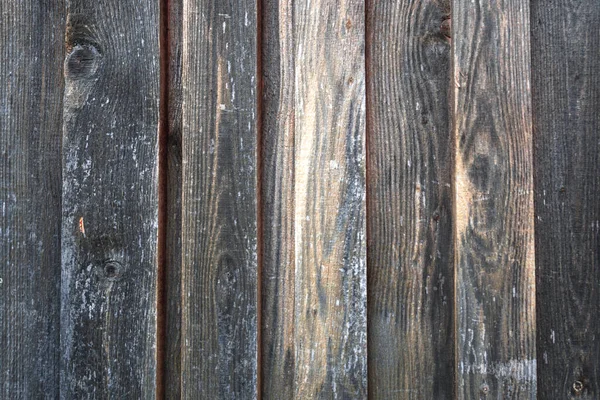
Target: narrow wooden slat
{"points": [[277, 200], [495, 269], [172, 365], [31, 88], [329, 198], [219, 200], [109, 227], [411, 295], [566, 115]]}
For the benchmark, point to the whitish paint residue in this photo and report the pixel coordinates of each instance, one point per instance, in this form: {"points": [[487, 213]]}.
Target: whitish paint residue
{"points": [[521, 370]]}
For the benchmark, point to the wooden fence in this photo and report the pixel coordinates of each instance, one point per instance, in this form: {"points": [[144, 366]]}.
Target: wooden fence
{"points": [[210, 199]]}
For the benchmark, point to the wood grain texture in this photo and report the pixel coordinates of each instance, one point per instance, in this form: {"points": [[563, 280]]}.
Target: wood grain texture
{"points": [[110, 205], [31, 89], [329, 198], [495, 268], [411, 299], [566, 115], [277, 188], [174, 41], [219, 200]]}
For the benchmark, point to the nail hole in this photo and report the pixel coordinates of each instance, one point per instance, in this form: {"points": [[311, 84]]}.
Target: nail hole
{"points": [[578, 386], [484, 388]]}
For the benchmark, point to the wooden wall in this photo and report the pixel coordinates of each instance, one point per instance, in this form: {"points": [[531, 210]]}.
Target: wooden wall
{"points": [[279, 199]]}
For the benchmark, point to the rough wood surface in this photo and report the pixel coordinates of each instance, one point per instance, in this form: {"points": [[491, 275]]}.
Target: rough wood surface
{"points": [[219, 200], [109, 225], [566, 115], [277, 200], [174, 43], [329, 197], [495, 269], [31, 89], [411, 299]]}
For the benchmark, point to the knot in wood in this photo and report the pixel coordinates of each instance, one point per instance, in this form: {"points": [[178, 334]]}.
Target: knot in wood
{"points": [[112, 270], [82, 62]]}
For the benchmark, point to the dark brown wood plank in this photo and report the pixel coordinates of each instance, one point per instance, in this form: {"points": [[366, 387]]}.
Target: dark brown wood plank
{"points": [[173, 41], [330, 327], [411, 293], [566, 114], [495, 268], [110, 205], [31, 89], [277, 193], [219, 200]]}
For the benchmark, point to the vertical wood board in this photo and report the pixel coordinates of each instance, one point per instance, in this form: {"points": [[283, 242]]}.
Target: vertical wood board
{"points": [[110, 200], [31, 89], [495, 268], [410, 251], [219, 200], [329, 198], [566, 115], [277, 196]]}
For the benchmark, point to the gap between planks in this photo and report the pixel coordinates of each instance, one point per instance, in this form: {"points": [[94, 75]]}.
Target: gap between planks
{"points": [[259, 200], [163, 134]]}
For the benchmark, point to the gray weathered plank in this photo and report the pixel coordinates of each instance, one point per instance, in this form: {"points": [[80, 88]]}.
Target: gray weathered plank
{"points": [[411, 291], [277, 194], [219, 200], [31, 89], [566, 115], [330, 327], [173, 41], [495, 269], [109, 226]]}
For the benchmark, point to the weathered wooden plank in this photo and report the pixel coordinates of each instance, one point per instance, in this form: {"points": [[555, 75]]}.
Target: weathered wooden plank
{"points": [[411, 295], [277, 194], [109, 228], [329, 197], [219, 200], [495, 268], [566, 115], [173, 41], [31, 88]]}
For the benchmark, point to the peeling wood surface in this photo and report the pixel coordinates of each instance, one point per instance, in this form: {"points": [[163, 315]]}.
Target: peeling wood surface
{"points": [[219, 200], [495, 268], [566, 113], [410, 252], [277, 193], [110, 217], [31, 89], [330, 334]]}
